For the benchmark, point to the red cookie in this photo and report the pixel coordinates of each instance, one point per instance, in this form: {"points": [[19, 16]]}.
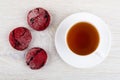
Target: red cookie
{"points": [[36, 58], [38, 19], [20, 38]]}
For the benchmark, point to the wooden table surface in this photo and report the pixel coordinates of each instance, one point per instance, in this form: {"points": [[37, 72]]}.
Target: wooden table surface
{"points": [[13, 14]]}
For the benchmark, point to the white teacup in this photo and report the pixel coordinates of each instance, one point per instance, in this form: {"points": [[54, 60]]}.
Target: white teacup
{"points": [[82, 38], [96, 56]]}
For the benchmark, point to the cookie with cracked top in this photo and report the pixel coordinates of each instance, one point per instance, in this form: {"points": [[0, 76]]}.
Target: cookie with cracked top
{"points": [[38, 19], [20, 38], [36, 58]]}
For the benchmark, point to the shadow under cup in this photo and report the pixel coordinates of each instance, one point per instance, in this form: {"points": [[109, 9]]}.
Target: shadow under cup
{"points": [[82, 38]]}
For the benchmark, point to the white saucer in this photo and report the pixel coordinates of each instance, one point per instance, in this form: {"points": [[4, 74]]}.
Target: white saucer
{"points": [[83, 61]]}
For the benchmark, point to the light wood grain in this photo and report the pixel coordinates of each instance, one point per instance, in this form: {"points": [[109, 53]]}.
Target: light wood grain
{"points": [[12, 63]]}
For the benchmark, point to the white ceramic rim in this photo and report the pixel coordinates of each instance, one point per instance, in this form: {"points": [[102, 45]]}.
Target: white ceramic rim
{"points": [[83, 61]]}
